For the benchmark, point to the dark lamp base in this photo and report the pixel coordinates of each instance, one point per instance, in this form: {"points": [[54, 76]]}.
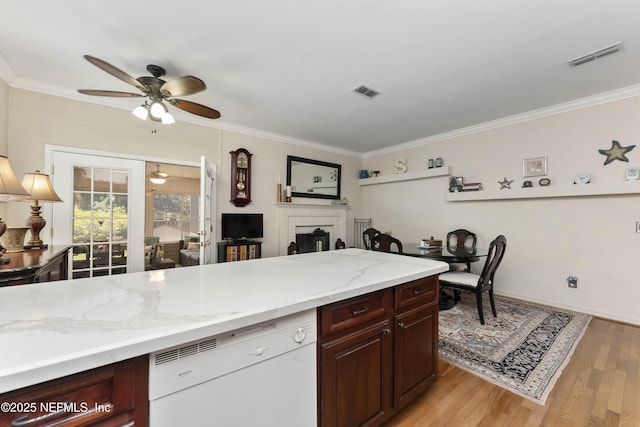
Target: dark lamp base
{"points": [[42, 246]]}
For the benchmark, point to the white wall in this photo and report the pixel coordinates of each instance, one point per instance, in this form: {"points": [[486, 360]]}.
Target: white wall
{"points": [[37, 119], [4, 124], [4, 116], [592, 238]]}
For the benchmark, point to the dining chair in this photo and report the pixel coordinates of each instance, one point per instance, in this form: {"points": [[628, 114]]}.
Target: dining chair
{"points": [[461, 239], [368, 235], [292, 249], [383, 243], [478, 283]]}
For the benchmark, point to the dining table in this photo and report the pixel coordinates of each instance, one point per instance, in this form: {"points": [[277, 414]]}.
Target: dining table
{"points": [[451, 255]]}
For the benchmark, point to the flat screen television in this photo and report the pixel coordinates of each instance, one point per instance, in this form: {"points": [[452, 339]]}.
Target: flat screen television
{"points": [[241, 226]]}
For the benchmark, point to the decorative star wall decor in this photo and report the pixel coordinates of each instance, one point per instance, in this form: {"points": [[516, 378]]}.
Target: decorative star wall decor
{"points": [[616, 152], [505, 183]]}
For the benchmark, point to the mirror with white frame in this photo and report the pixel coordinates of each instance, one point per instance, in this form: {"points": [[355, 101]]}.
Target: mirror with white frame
{"points": [[313, 178]]}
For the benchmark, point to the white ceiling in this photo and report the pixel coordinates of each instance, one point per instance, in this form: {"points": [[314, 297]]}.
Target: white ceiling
{"points": [[288, 68]]}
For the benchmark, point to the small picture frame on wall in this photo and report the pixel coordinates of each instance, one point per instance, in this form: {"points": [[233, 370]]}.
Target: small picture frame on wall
{"points": [[536, 166], [632, 174]]}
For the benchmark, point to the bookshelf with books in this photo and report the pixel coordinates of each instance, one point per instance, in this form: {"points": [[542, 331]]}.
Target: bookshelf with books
{"points": [[230, 251]]}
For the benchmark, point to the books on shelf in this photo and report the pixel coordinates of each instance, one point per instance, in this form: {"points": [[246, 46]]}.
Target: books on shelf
{"points": [[471, 186]]}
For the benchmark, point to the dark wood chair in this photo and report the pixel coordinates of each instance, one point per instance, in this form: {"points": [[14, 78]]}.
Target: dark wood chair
{"points": [[293, 249], [383, 243], [461, 239], [479, 283], [367, 237]]}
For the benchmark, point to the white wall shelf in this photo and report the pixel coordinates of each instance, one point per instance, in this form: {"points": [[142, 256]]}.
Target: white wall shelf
{"points": [[408, 176], [575, 190]]}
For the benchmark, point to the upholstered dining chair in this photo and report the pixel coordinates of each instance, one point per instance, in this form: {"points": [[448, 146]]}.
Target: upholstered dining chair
{"points": [[367, 237], [384, 242], [461, 239], [478, 283]]}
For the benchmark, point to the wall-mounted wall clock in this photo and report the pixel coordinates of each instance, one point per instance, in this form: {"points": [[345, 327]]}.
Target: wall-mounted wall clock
{"points": [[240, 177]]}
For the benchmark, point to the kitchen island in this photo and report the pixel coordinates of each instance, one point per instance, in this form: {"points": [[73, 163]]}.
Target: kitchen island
{"points": [[48, 331]]}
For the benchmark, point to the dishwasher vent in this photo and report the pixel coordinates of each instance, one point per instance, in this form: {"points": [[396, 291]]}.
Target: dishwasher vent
{"points": [[185, 351]]}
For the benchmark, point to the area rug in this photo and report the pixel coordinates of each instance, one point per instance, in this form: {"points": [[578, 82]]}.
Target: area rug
{"points": [[523, 350]]}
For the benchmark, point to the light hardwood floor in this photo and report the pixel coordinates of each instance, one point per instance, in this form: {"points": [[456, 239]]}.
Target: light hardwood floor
{"points": [[599, 387]]}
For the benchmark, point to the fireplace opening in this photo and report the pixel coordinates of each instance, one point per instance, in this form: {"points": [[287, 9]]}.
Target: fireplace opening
{"points": [[316, 241]]}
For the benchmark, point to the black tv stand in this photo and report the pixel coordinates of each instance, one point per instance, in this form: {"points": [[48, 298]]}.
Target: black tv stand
{"points": [[239, 250]]}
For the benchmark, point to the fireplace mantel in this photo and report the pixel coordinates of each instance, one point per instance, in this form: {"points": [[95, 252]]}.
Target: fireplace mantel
{"points": [[293, 215]]}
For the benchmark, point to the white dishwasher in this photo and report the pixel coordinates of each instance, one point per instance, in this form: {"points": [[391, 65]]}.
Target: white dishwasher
{"points": [[263, 375]]}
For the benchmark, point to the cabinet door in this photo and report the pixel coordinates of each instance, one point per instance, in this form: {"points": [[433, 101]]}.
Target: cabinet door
{"points": [[113, 395], [416, 357], [356, 378]]}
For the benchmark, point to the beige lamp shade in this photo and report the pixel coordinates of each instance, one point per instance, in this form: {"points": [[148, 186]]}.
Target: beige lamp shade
{"points": [[10, 188], [38, 185]]}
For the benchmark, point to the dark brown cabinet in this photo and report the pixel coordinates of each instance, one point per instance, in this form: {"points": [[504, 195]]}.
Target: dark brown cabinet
{"points": [[35, 266], [113, 395], [356, 361], [377, 353]]}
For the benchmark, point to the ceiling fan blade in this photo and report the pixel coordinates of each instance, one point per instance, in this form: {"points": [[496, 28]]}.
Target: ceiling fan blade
{"points": [[116, 72], [194, 108], [187, 85], [110, 93]]}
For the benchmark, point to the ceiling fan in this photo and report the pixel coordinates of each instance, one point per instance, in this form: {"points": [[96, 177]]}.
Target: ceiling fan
{"points": [[157, 90], [158, 177]]}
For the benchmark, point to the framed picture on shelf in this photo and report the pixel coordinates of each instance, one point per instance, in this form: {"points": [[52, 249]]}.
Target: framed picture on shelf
{"points": [[534, 167], [455, 184]]}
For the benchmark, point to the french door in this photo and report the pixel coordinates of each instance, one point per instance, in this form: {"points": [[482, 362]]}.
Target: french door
{"points": [[103, 212], [207, 212]]}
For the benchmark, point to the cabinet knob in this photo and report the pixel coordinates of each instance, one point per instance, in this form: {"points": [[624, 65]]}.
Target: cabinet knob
{"points": [[387, 331], [419, 291], [401, 324]]}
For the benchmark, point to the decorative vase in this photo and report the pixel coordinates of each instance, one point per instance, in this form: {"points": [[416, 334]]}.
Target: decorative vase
{"points": [[13, 239]]}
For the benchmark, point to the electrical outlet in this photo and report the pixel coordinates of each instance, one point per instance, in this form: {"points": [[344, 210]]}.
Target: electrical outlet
{"points": [[572, 281], [637, 226]]}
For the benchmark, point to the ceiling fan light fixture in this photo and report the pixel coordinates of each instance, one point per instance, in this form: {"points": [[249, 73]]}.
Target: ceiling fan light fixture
{"points": [[156, 90], [157, 110], [141, 112], [167, 119], [157, 180]]}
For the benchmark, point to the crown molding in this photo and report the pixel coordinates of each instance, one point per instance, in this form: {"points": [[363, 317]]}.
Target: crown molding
{"points": [[590, 101], [6, 72], [125, 104], [628, 92]]}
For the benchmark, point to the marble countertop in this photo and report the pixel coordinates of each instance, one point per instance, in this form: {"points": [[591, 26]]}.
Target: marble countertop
{"points": [[49, 330]]}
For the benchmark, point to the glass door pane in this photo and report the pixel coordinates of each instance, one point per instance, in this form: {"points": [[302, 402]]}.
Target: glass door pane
{"points": [[100, 221]]}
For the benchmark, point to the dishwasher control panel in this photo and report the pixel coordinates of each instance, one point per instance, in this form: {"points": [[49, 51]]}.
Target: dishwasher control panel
{"points": [[177, 368]]}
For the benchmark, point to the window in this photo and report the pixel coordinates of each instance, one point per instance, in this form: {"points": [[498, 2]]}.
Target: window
{"points": [[175, 216]]}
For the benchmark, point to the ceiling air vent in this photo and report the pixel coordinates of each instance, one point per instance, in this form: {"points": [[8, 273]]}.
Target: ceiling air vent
{"points": [[366, 91], [597, 54]]}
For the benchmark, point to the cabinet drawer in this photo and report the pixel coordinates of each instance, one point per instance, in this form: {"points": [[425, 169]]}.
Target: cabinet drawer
{"points": [[419, 291], [355, 311], [114, 392]]}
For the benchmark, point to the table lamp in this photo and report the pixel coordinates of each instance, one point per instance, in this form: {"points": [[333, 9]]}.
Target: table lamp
{"points": [[10, 189], [40, 189]]}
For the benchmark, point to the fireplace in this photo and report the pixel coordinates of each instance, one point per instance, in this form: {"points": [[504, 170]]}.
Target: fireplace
{"points": [[296, 219], [316, 241]]}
